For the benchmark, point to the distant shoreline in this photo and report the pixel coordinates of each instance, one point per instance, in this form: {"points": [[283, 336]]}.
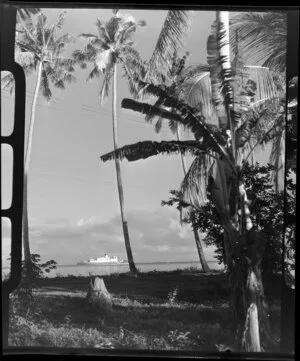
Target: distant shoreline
{"points": [[126, 264]]}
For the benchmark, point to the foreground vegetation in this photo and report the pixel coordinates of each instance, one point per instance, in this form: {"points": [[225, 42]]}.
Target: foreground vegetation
{"points": [[177, 310]]}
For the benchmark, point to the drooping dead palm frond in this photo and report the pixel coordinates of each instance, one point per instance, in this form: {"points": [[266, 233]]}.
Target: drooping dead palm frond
{"points": [[210, 136], [146, 149], [173, 32], [194, 185], [151, 111]]}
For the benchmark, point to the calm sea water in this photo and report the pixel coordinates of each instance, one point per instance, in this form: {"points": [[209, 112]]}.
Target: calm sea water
{"points": [[101, 270]]}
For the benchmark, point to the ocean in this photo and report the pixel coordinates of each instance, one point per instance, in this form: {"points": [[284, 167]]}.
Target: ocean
{"points": [[102, 270]]}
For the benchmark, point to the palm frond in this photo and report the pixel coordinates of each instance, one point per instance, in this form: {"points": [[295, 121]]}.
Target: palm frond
{"points": [[196, 91], [61, 20], [102, 31], [24, 45], [262, 38], [95, 40], [133, 58], [8, 82], [103, 59], [40, 29], [257, 121], [24, 13], [150, 111], [194, 185], [87, 36], [45, 87], [171, 37], [151, 116], [58, 45], [193, 70], [132, 84], [104, 92], [27, 33], [61, 77], [112, 27], [158, 124], [94, 73], [146, 149], [211, 137], [24, 58], [125, 32], [80, 57], [255, 86], [133, 67], [65, 63]]}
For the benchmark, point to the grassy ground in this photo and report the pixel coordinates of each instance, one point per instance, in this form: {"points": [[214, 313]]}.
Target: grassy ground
{"points": [[179, 310]]}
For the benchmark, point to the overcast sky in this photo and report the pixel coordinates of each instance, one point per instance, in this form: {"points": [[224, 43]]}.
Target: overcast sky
{"points": [[73, 203]]}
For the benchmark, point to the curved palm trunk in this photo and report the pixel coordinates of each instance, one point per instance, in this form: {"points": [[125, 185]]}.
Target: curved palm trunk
{"points": [[118, 172], [26, 169], [203, 262]]}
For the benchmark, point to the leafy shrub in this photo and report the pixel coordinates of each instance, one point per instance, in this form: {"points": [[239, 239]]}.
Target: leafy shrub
{"points": [[180, 339], [172, 296], [22, 300]]}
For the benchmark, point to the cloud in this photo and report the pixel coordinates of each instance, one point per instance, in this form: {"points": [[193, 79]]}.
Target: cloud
{"points": [[83, 222], [155, 235]]}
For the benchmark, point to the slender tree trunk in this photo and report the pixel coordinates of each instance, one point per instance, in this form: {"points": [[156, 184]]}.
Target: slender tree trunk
{"points": [[119, 179], [203, 262], [26, 169]]}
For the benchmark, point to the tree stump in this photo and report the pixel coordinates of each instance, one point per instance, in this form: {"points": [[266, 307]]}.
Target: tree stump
{"points": [[97, 294]]}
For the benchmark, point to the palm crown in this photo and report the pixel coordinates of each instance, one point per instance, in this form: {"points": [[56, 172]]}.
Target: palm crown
{"points": [[41, 44], [112, 45]]}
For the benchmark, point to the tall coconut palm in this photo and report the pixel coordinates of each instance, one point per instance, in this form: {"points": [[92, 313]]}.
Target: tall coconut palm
{"points": [[39, 49], [110, 47], [220, 152]]}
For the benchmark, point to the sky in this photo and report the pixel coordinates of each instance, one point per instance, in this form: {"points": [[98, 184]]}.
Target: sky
{"points": [[72, 196]]}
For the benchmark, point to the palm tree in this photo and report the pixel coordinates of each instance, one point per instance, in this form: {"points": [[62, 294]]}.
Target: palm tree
{"points": [[110, 47], [262, 41], [39, 48], [220, 153], [176, 79]]}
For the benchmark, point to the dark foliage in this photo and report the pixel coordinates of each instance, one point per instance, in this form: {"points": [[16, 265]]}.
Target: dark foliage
{"points": [[267, 209]]}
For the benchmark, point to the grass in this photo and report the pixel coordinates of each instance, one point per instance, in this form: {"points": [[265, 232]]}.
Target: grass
{"points": [[184, 310]]}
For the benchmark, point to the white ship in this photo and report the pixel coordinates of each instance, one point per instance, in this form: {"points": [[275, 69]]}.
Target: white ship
{"points": [[103, 260]]}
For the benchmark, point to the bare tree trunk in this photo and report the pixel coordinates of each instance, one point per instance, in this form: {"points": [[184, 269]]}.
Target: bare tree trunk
{"points": [[118, 172], [26, 169], [203, 262]]}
